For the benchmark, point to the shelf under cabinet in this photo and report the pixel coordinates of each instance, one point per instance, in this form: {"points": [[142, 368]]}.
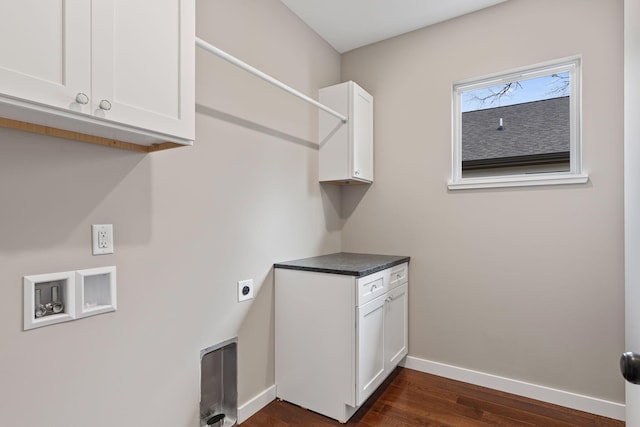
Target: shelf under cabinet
{"points": [[44, 120]]}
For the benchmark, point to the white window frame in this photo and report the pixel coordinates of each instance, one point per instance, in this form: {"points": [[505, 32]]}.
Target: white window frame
{"points": [[575, 175]]}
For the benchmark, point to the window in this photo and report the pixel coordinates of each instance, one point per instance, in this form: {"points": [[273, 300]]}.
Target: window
{"points": [[518, 128]]}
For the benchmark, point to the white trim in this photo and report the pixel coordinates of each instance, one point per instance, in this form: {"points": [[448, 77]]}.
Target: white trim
{"points": [[574, 176], [30, 283], [520, 73], [82, 277], [567, 399], [256, 403], [519, 181], [529, 71], [631, 195]]}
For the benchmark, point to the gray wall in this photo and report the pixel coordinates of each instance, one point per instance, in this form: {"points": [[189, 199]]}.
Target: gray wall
{"points": [[524, 283], [521, 283], [189, 223]]}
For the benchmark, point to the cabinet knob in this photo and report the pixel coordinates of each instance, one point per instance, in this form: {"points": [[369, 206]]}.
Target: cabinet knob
{"points": [[357, 172], [105, 105], [82, 98]]}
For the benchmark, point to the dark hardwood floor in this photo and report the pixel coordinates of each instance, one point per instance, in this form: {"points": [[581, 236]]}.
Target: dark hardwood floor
{"points": [[412, 398]]}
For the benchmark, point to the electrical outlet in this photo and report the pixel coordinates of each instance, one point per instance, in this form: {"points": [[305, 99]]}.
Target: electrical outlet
{"points": [[102, 237], [245, 290]]}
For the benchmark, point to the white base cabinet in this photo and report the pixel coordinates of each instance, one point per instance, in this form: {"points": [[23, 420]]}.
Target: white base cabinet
{"points": [[338, 337]]}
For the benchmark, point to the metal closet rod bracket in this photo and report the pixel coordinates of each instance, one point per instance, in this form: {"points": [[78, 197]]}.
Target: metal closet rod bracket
{"points": [[248, 68]]}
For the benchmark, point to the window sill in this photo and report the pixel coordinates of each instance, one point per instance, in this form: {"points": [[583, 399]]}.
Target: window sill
{"points": [[518, 181]]}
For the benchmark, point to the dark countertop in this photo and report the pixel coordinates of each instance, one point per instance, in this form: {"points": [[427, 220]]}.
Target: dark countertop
{"points": [[345, 263]]}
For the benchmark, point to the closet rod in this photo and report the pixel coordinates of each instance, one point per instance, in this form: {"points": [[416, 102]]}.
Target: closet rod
{"points": [[238, 63]]}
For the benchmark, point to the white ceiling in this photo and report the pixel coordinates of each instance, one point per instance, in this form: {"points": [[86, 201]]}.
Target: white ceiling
{"points": [[349, 24]]}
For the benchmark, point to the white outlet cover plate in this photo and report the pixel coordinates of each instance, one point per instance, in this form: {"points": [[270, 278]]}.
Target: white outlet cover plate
{"points": [[241, 285], [102, 238]]}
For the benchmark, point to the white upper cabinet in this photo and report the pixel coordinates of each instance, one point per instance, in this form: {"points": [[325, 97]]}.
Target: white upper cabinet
{"points": [[346, 149], [115, 69], [140, 58], [45, 52]]}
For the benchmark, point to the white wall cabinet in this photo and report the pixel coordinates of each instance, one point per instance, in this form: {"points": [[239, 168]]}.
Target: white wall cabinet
{"points": [[46, 51], [115, 69], [346, 149], [338, 337]]}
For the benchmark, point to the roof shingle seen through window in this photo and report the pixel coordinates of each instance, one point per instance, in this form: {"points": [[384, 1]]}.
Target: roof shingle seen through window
{"points": [[531, 128]]}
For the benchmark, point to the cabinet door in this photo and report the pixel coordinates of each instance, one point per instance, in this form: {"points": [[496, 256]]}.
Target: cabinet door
{"points": [[362, 133], [395, 327], [143, 64], [346, 151], [370, 352], [334, 158], [45, 51]]}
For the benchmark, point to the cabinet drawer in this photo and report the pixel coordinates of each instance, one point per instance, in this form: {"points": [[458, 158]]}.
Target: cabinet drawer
{"points": [[399, 275], [372, 286]]}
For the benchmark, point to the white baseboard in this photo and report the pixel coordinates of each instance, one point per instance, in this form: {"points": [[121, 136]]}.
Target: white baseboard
{"points": [[256, 403], [532, 391]]}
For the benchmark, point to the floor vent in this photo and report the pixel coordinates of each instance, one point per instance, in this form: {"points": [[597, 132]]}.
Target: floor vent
{"points": [[219, 384]]}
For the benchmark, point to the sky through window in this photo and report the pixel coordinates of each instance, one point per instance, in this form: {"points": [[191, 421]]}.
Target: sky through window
{"points": [[546, 87]]}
